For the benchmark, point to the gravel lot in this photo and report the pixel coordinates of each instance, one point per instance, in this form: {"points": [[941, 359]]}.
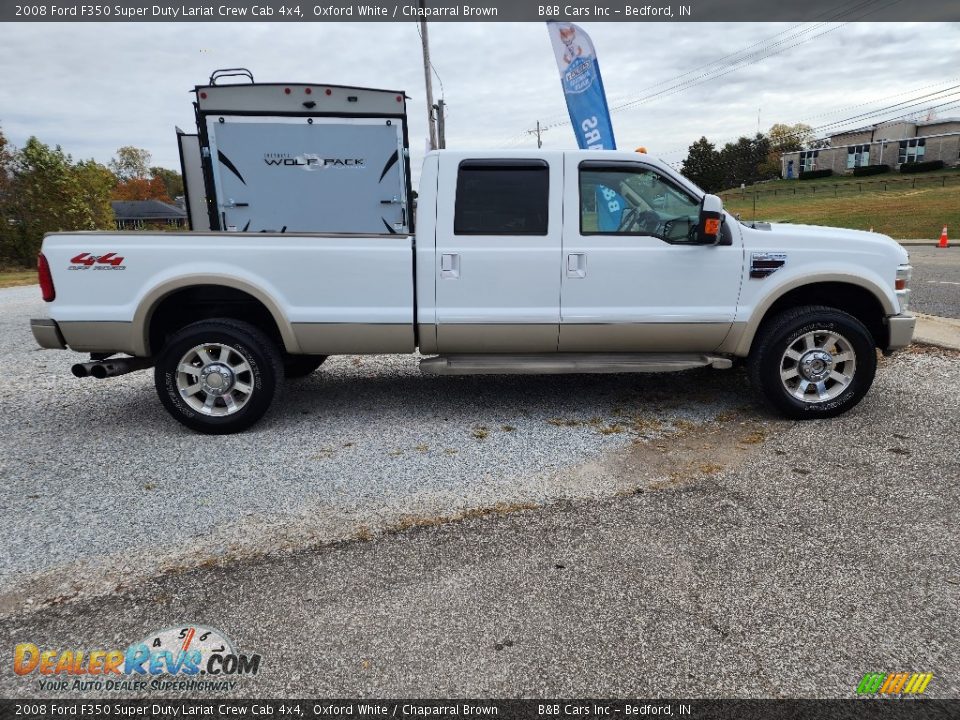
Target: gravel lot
{"points": [[742, 557], [101, 487]]}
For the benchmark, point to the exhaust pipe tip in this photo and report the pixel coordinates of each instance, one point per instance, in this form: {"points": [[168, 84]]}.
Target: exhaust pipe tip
{"points": [[98, 371], [79, 370]]}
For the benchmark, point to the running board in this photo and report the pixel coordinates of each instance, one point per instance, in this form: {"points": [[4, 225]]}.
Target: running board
{"points": [[558, 363]]}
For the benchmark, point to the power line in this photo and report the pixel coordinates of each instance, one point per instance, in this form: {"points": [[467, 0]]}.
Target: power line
{"points": [[718, 63], [879, 111], [766, 50]]}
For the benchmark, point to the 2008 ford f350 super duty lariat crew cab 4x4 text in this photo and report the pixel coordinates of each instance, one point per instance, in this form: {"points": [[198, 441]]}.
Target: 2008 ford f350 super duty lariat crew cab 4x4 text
{"points": [[522, 262]]}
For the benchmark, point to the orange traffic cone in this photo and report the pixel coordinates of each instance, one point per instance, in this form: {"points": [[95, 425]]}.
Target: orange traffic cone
{"points": [[944, 242]]}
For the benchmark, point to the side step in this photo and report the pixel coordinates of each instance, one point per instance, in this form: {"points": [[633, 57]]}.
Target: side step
{"points": [[558, 363]]}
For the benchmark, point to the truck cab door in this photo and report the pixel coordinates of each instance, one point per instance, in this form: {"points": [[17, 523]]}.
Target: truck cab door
{"points": [[497, 259], [634, 279]]}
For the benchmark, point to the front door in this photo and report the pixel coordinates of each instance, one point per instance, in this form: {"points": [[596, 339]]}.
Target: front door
{"points": [[633, 278], [498, 255]]}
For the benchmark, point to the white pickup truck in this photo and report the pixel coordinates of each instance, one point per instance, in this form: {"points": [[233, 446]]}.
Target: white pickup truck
{"points": [[522, 262]]}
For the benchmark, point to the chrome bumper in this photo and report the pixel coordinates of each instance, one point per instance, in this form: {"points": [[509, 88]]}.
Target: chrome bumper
{"points": [[901, 330], [47, 334]]}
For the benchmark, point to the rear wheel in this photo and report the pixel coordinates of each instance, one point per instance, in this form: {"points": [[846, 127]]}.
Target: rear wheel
{"points": [[218, 376], [813, 362], [297, 366]]}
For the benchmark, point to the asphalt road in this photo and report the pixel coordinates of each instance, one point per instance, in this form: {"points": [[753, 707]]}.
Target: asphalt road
{"points": [[362, 445], [936, 280], [628, 537], [802, 558]]}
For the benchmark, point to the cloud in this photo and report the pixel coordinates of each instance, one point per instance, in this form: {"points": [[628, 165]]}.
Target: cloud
{"points": [[95, 87]]}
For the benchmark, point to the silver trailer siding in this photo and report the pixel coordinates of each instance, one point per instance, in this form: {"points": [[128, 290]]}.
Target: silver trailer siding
{"points": [[289, 157]]}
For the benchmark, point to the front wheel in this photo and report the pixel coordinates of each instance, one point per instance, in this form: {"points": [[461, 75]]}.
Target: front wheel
{"points": [[813, 362], [218, 376]]}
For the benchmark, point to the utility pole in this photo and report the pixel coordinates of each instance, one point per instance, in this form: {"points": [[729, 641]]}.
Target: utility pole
{"points": [[424, 40], [538, 132], [441, 126]]}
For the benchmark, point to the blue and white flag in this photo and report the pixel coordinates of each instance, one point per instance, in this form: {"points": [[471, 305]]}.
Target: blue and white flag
{"points": [[610, 208], [582, 86]]}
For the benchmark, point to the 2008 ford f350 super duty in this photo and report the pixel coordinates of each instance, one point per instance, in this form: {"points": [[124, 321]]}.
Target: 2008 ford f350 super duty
{"points": [[532, 262]]}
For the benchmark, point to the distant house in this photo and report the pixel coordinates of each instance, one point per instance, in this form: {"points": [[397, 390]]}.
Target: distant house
{"points": [[892, 143], [139, 214]]}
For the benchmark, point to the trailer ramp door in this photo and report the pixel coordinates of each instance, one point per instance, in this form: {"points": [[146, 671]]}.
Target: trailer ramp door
{"points": [[191, 169], [316, 174]]}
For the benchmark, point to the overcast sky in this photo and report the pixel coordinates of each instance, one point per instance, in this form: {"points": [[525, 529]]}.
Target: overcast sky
{"points": [[92, 88]]}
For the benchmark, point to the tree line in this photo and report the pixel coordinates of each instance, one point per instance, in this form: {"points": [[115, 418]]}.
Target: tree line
{"points": [[43, 190], [747, 160]]}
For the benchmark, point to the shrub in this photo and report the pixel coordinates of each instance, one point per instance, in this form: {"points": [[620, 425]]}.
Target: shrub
{"points": [[871, 170], [814, 174], [919, 167]]}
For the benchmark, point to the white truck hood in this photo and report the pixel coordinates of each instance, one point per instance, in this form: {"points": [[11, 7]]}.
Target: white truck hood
{"points": [[789, 235]]}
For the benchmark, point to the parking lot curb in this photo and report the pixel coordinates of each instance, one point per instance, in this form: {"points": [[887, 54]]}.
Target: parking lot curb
{"points": [[932, 242], [940, 331]]}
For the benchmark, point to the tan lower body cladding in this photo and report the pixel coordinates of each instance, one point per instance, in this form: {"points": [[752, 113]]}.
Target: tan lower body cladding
{"points": [[572, 337], [389, 338]]}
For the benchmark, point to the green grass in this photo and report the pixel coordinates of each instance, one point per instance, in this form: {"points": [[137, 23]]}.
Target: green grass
{"points": [[900, 211], [952, 175], [16, 278]]}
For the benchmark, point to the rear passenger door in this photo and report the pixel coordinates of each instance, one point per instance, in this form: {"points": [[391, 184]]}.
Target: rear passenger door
{"points": [[498, 255]]}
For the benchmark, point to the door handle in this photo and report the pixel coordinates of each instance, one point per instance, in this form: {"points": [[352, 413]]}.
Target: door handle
{"points": [[577, 265], [450, 265]]}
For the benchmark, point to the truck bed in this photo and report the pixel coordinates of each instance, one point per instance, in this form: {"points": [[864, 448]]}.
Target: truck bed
{"points": [[327, 292]]}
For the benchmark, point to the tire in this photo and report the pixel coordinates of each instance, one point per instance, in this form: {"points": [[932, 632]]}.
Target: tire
{"points": [[298, 366], [806, 381], [239, 370]]}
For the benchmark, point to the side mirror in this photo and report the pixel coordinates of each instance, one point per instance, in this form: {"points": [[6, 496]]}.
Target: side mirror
{"points": [[711, 220]]}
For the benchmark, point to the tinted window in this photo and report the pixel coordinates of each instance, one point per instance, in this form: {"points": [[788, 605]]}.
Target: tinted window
{"points": [[635, 201], [501, 199]]}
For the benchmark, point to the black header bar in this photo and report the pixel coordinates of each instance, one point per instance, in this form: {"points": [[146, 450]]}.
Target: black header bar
{"points": [[375, 709], [480, 11]]}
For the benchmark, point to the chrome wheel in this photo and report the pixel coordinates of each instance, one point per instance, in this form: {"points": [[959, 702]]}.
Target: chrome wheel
{"points": [[818, 366], [214, 379]]}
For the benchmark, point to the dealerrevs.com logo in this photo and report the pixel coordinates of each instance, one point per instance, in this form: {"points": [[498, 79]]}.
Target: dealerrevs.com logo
{"points": [[895, 683], [191, 658]]}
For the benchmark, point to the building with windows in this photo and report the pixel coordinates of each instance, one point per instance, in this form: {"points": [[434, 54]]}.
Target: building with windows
{"points": [[139, 214], [893, 143]]}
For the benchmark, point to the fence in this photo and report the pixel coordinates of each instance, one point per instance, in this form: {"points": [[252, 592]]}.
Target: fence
{"points": [[822, 187]]}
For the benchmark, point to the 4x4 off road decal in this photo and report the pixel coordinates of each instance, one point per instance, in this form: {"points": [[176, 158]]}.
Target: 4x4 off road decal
{"points": [[107, 261]]}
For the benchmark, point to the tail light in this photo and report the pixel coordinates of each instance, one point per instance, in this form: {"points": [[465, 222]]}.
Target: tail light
{"points": [[46, 279]]}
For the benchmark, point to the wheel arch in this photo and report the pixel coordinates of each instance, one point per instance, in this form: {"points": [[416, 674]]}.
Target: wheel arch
{"points": [[850, 293], [208, 296]]}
